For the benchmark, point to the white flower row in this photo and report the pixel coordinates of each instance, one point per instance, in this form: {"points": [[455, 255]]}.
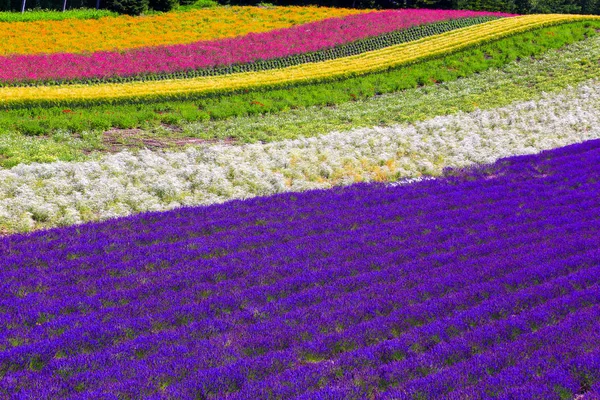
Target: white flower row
{"points": [[62, 193]]}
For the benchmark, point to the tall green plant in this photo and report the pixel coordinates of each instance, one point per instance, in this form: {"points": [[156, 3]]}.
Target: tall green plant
{"points": [[555, 6], [163, 5], [129, 7]]}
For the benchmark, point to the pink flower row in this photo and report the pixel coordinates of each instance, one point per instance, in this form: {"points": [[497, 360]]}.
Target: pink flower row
{"points": [[206, 54]]}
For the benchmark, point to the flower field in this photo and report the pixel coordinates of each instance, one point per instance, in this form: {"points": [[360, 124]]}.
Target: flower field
{"points": [[367, 62], [383, 28], [300, 203], [124, 32], [123, 183], [439, 287]]}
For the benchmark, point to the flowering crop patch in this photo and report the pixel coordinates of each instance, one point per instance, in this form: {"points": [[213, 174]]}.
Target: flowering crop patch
{"points": [[344, 33], [54, 194], [485, 282], [125, 32], [336, 69]]}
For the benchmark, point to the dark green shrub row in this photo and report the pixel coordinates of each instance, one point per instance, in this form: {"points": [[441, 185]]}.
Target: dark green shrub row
{"points": [[358, 47], [130, 7], [137, 7], [513, 6]]}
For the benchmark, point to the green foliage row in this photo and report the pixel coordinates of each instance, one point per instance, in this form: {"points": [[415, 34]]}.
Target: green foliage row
{"points": [[532, 6], [44, 121], [42, 10], [345, 50], [49, 15]]}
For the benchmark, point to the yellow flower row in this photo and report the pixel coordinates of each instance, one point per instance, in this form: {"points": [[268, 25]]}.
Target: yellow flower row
{"points": [[333, 69], [125, 32]]}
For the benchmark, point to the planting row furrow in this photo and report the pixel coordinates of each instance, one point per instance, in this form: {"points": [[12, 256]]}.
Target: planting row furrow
{"points": [[405, 353], [235, 270], [279, 291], [483, 374], [570, 281], [177, 308]]}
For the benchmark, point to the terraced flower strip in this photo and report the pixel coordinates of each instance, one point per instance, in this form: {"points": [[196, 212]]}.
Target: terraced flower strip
{"points": [[46, 195], [124, 32], [517, 81], [524, 80], [368, 62], [74, 133], [319, 41], [484, 282]]}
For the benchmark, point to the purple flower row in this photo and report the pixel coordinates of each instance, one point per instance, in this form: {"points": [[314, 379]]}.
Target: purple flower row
{"points": [[279, 43], [483, 283]]}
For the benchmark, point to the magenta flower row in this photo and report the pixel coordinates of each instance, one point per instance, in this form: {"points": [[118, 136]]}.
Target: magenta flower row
{"points": [[207, 54]]}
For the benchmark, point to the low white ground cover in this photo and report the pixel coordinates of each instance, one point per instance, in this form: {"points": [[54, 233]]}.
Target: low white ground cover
{"points": [[61, 193]]}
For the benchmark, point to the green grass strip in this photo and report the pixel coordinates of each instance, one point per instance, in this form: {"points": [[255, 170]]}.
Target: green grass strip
{"points": [[335, 106], [49, 15]]}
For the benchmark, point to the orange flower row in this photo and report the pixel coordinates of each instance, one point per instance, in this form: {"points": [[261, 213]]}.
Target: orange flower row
{"points": [[124, 32]]}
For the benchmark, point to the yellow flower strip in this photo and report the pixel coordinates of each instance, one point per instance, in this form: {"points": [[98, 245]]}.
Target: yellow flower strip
{"points": [[333, 69], [125, 32]]}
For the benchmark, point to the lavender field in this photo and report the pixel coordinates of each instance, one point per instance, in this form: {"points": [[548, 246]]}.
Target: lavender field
{"points": [[482, 283]]}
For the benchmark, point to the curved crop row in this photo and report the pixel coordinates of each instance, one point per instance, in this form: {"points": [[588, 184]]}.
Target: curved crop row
{"points": [[254, 52], [125, 32], [368, 62], [448, 288]]}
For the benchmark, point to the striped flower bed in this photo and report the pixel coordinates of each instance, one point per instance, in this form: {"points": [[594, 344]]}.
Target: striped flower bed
{"points": [[482, 283], [337, 69], [46, 195], [276, 44]]}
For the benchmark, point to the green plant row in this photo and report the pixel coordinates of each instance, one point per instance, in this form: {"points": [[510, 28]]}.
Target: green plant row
{"points": [[49, 133], [349, 49], [51, 15]]}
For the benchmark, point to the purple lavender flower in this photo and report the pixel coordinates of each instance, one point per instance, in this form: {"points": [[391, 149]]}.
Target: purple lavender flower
{"points": [[483, 283]]}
